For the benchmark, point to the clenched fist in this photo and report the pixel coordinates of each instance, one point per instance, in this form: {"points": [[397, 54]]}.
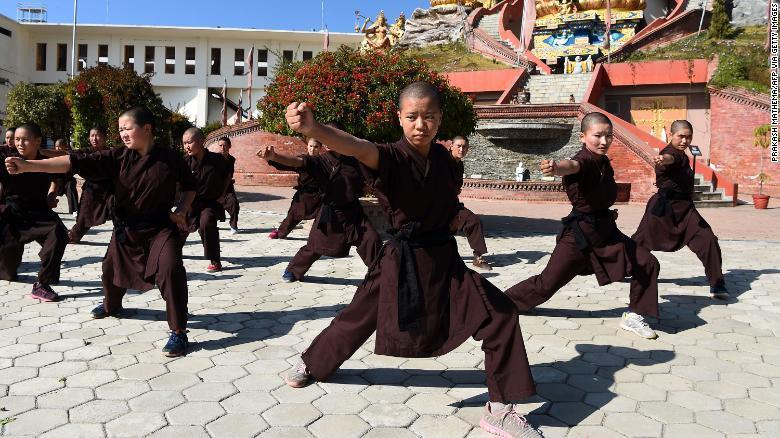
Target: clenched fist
{"points": [[547, 167], [300, 118], [267, 153]]}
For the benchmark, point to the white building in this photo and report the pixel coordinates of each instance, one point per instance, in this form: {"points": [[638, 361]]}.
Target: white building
{"points": [[190, 64]]}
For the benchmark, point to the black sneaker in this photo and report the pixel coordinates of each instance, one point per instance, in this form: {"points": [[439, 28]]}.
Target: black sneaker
{"points": [[176, 346], [44, 292], [719, 292], [99, 312], [288, 277]]}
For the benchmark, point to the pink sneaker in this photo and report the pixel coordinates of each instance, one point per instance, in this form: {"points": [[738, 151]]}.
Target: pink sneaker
{"points": [[273, 234], [507, 423]]}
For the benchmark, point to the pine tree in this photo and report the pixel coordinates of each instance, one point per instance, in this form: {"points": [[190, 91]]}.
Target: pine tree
{"points": [[720, 26]]}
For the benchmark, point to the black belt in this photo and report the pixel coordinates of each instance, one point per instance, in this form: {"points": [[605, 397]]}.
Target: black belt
{"points": [[572, 222], [660, 207], [328, 213], [409, 299], [304, 190], [27, 209], [139, 222]]}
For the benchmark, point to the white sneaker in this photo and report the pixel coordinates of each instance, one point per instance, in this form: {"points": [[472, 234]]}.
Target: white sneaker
{"points": [[234, 231], [635, 323], [75, 214]]}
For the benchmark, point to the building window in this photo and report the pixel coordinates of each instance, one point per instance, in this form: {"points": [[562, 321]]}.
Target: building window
{"points": [[307, 55], [189, 60], [149, 59], [82, 53], [216, 61], [287, 56], [6, 32], [40, 57], [262, 62], [102, 54], [170, 60], [238, 63], [62, 57], [130, 57]]}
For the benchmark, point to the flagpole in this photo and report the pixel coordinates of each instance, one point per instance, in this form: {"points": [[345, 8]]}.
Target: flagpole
{"points": [[73, 41], [322, 18]]}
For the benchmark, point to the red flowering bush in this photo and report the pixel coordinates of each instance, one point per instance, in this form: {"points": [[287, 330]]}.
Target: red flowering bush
{"points": [[360, 91], [98, 95]]}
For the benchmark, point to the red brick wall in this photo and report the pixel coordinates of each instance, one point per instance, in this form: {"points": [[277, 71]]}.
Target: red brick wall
{"points": [[246, 140], [734, 116], [629, 168]]}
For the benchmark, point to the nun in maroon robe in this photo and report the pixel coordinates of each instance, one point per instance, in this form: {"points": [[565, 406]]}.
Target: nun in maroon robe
{"points": [[671, 221], [590, 243], [97, 201]]}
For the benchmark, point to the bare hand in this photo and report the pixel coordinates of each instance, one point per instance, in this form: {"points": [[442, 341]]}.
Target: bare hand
{"points": [[178, 218], [15, 165], [300, 118], [267, 153], [548, 167], [658, 160]]}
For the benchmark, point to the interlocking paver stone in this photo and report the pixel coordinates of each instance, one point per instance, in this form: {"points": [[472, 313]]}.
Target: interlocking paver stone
{"points": [[712, 372]]}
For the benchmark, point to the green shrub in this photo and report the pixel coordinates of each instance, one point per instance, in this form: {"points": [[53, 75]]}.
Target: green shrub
{"points": [[360, 91], [41, 104]]}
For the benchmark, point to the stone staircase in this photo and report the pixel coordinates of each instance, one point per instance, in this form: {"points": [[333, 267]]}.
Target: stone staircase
{"points": [[705, 197], [557, 88], [489, 24]]}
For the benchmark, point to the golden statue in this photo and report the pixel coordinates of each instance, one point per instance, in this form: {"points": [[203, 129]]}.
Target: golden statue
{"points": [[468, 3], [397, 29], [550, 7], [376, 35]]}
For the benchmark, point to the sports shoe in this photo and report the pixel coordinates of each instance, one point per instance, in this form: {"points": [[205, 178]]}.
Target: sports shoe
{"points": [[288, 277], [273, 234], [75, 214], [214, 267], [99, 312], [43, 292], [176, 345], [298, 376], [72, 238], [481, 263], [719, 292], [233, 230], [635, 323], [507, 423]]}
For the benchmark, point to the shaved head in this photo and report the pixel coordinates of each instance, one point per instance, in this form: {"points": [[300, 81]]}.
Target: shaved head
{"points": [[594, 118], [196, 133], [678, 125], [420, 90]]}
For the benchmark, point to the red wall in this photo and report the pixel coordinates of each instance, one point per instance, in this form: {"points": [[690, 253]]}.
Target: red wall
{"points": [[734, 116], [246, 141]]}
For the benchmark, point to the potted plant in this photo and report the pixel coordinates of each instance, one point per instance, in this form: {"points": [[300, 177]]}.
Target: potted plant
{"points": [[761, 139]]}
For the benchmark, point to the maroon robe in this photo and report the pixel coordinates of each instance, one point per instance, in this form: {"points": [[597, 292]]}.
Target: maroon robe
{"points": [[25, 217], [212, 177], [96, 204], [145, 248], [306, 201], [671, 221], [341, 222], [229, 200], [591, 243], [419, 296], [468, 223]]}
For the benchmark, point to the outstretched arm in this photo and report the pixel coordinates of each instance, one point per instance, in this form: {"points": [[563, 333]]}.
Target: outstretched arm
{"points": [[16, 165], [301, 119], [559, 168], [663, 160], [268, 154]]}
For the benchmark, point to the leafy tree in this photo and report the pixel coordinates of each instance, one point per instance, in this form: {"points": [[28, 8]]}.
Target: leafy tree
{"points": [[41, 104]]}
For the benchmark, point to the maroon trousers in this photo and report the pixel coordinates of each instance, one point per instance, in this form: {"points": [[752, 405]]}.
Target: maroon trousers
{"points": [[94, 210], [567, 261], [506, 363], [304, 206], [51, 234], [205, 221], [230, 204], [170, 278], [368, 248], [682, 225], [468, 223]]}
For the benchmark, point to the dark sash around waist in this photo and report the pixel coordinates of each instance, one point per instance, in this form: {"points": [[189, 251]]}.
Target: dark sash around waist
{"points": [[664, 196], [309, 190], [328, 213], [98, 189], [572, 222], [20, 208], [406, 239], [139, 222]]}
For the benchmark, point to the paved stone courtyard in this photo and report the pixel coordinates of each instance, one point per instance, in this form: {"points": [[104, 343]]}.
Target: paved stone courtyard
{"points": [[714, 371]]}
